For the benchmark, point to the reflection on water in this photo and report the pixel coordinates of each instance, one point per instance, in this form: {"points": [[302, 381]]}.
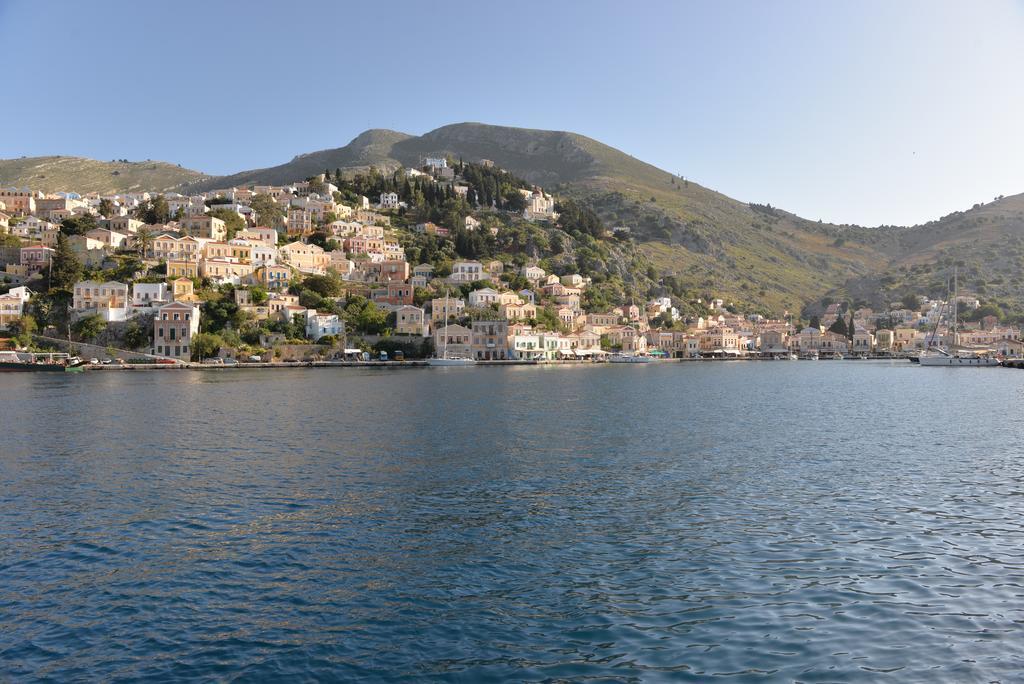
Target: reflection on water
{"points": [[844, 521]]}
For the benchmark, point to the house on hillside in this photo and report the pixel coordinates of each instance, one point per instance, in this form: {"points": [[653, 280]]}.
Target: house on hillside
{"points": [[174, 327]]}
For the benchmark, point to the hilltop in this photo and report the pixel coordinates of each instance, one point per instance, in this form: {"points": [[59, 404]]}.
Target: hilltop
{"points": [[81, 175], [370, 148]]}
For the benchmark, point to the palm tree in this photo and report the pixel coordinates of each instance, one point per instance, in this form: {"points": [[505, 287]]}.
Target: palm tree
{"points": [[143, 241]]}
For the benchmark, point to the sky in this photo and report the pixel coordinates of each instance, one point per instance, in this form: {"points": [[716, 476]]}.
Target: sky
{"points": [[862, 111]]}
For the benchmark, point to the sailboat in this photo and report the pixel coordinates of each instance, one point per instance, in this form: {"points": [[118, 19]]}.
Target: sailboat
{"points": [[444, 359], [958, 356]]}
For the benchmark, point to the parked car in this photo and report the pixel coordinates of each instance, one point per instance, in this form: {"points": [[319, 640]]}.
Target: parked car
{"points": [[230, 362], [399, 355], [254, 359], [383, 356], [94, 361], [215, 361]]}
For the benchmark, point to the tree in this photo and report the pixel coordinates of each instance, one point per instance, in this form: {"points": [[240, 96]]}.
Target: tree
{"points": [[839, 327], [258, 295], [21, 330], [548, 318], [106, 208], [65, 268], [135, 336], [88, 328], [327, 285], [663, 320], [575, 219], [78, 225], [910, 301], [363, 316], [143, 240], [268, 212], [205, 345], [154, 211], [232, 221]]}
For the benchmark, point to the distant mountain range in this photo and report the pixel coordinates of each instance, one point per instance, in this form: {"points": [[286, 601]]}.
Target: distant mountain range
{"points": [[710, 242]]}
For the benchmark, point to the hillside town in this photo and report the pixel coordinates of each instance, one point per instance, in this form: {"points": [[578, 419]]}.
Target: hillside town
{"points": [[314, 270]]}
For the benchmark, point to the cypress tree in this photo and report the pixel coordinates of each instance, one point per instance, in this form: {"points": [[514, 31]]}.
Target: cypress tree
{"points": [[65, 268], [839, 327]]}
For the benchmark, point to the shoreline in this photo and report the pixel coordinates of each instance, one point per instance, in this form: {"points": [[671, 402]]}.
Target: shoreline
{"points": [[421, 363]]}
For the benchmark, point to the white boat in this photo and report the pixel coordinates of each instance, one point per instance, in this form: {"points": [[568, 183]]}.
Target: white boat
{"points": [[957, 356], [628, 358], [444, 359], [450, 361]]}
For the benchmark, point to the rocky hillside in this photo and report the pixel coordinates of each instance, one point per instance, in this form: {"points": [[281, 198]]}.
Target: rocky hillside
{"points": [[371, 148], [77, 174], [985, 244]]}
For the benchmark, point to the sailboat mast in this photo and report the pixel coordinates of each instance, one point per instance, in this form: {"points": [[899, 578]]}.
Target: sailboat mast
{"points": [[956, 296], [444, 338]]}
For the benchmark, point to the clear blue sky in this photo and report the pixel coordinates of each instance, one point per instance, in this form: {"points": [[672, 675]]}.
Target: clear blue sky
{"points": [[867, 111]]}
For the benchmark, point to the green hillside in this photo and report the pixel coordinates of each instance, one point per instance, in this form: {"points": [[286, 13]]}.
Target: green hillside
{"points": [[711, 243], [700, 241], [77, 174], [985, 244]]}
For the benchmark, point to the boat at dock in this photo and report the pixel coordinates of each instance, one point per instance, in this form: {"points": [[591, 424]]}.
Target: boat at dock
{"points": [[450, 361], [28, 362], [956, 360], [956, 356], [628, 358]]}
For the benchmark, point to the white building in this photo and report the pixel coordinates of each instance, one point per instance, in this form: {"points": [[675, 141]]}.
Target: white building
{"points": [[150, 294], [483, 297], [466, 272], [389, 200], [320, 324], [532, 273], [108, 300]]}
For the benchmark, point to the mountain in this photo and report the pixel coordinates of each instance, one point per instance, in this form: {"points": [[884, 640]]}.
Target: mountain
{"points": [[370, 148], [706, 240], [78, 174], [701, 241]]}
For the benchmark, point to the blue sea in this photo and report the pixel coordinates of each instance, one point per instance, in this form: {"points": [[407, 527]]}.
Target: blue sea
{"points": [[840, 521]]}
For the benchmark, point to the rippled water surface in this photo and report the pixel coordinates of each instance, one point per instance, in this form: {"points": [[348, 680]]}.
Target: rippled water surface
{"points": [[791, 521]]}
